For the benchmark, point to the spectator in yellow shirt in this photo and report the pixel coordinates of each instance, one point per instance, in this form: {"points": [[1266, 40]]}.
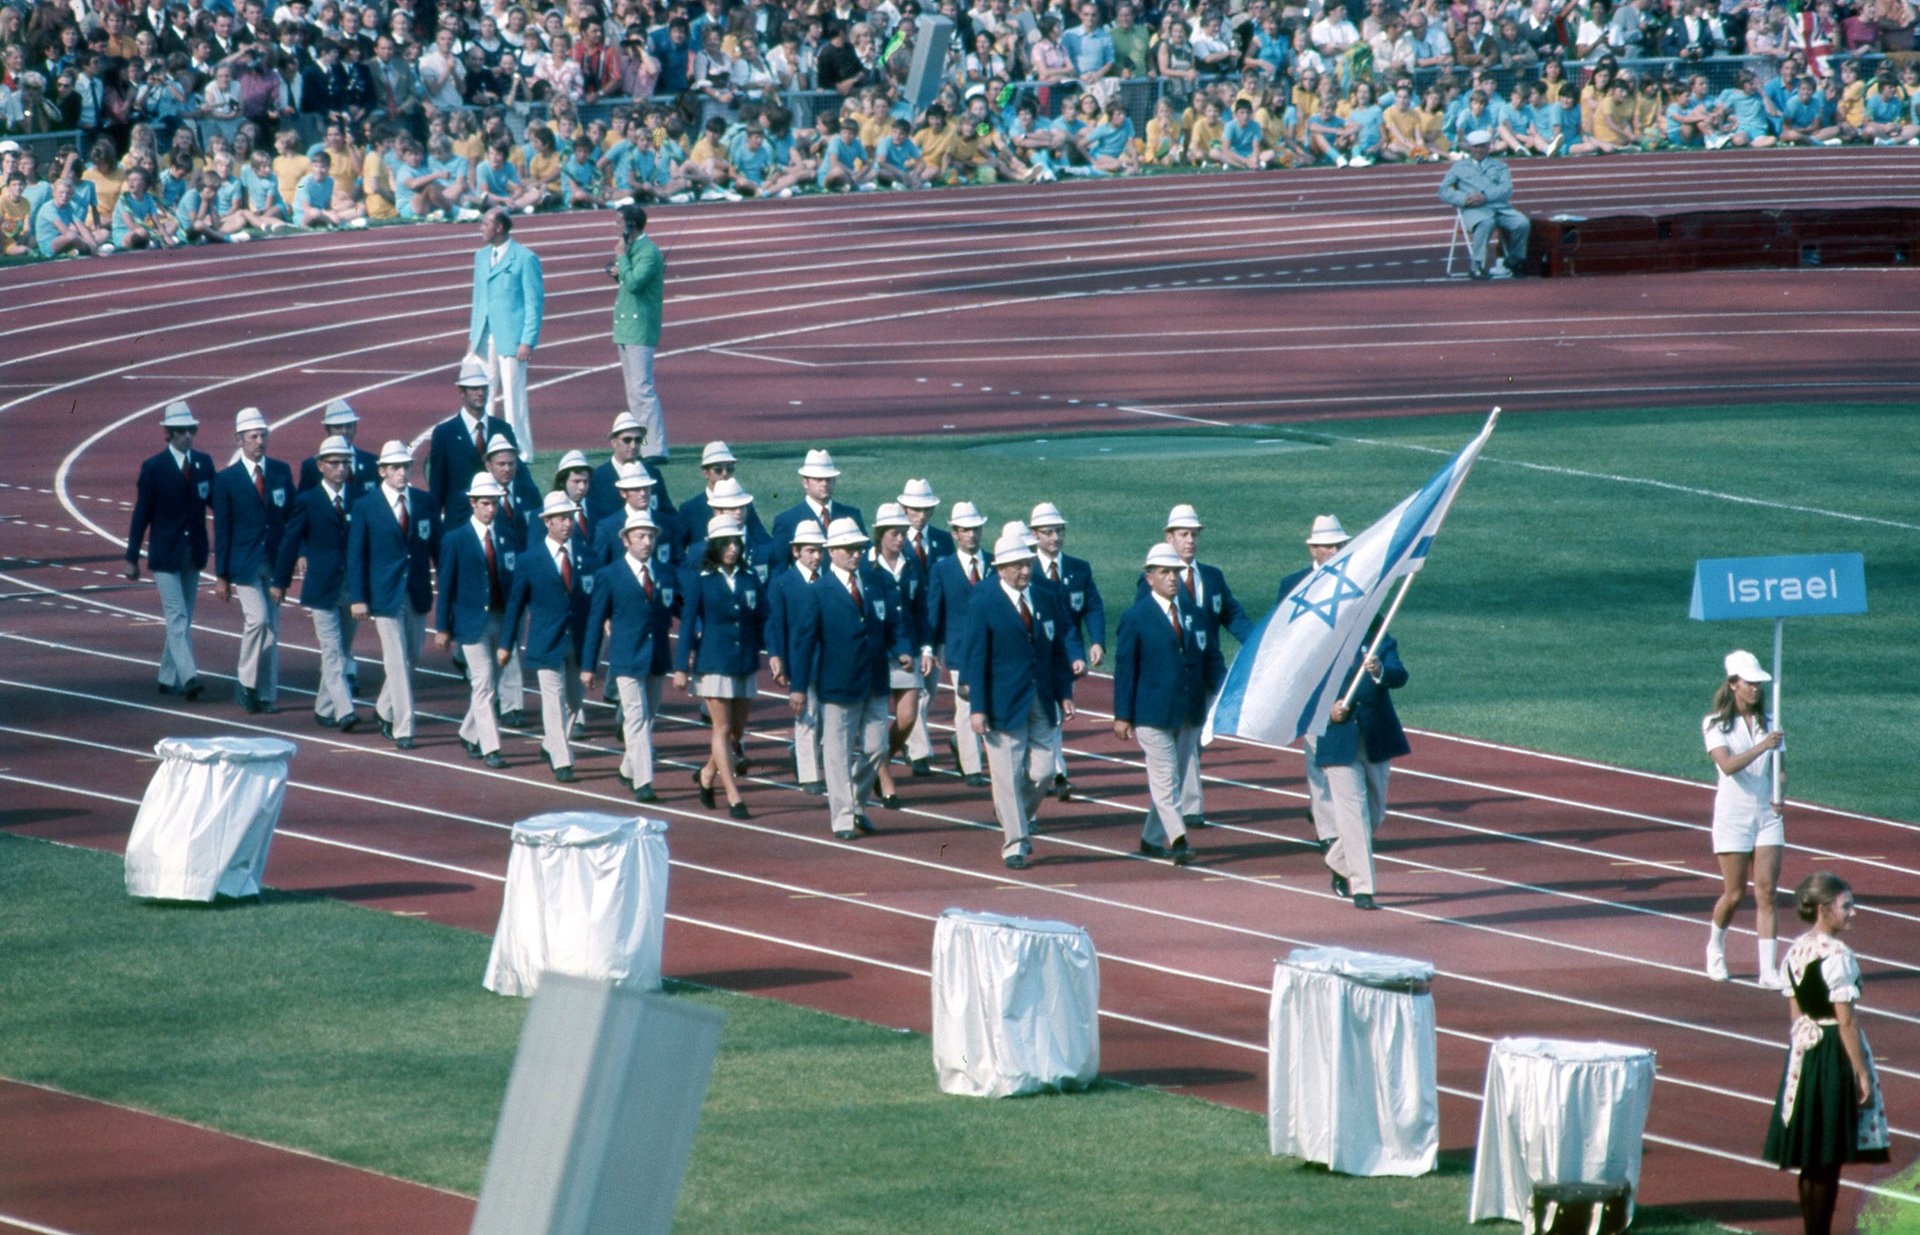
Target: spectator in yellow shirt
{"points": [[289, 165], [1166, 144]]}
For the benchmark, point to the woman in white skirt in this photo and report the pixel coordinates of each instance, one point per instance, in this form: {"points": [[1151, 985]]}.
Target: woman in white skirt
{"points": [[1748, 833], [910, 593], [721, 638]]}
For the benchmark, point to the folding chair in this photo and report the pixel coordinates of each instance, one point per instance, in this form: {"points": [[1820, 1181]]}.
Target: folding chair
{"points": [[1456, 238]]}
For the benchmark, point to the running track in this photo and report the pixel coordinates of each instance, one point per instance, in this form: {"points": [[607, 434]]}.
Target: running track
{"points": [[1556, 897]]}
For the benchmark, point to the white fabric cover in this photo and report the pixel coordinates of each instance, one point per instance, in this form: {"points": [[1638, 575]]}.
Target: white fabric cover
{"points": [[1558, 1112], [1351, 1063], [586, 895], [207, 818], [1016, 1005]]}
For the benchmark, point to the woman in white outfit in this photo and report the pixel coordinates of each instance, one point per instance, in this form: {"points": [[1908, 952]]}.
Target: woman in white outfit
{"points": [[1748, 833]]}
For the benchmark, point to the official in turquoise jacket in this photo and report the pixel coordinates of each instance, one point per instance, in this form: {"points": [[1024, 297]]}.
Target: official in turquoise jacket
{"points": [[509, 304]]}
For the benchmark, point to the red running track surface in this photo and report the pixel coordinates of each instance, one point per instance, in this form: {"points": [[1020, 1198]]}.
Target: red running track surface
{"points": [[1556, 897]]}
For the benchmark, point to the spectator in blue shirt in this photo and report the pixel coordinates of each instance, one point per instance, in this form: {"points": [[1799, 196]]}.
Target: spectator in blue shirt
{"points": [[896, 158], [1743, 116], [60, 227], [845, 164], [1089, 47], [1806, 119], [1242, 145], [1271, 49], [1109, 145], [1889, 115]]}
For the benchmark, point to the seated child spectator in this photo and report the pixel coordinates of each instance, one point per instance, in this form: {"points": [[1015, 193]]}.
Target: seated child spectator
{"points": [[138, 220], [1109, 146], [845, 164], [261, 191], [580, 185], [313, 203], [496, 183], [1242, 145], [896, 160], [60, 225]]}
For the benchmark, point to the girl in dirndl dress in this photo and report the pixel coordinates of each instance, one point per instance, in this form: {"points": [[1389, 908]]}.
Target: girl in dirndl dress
{"points": [[1829, 1111]]}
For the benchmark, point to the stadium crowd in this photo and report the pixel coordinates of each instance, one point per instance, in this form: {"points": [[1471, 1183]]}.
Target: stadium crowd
{"points": [[178, 121]]}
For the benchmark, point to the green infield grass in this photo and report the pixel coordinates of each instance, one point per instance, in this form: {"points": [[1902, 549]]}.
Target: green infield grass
{"points": [[367, 1038]]}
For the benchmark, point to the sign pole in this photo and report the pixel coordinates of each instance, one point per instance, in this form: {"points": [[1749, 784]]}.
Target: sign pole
{"points": [[1385, 622], [1779, 682]]}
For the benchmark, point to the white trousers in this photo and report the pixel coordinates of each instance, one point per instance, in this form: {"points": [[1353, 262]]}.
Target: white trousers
{"points": [[1349, 801], [333, 630], [510, 680], [259, 667], [643, 401], [400, 638], [1192, 803], [507, 384], [853, 736], [919, 744], [561, 698], [1168, 755], [1020, 760], [639, 704], [480, 726], [963, 735], [178, 592], [806, 741]]}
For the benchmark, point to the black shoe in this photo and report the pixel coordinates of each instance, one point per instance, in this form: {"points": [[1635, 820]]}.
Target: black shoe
{"points": [[496, 760], [326, 722], [1182, 852], [625, 779], [1479, 274], [1323, 845], [515, 719], [1341, 888], [922, 768], [977, 780], [740, 765], [1193, 823], [814, 788], [249, 701], [706, 791], [891, 801], [166, 689], [192, 689], [1151, 850], [847, 835], [563, 775], [738, 810], [386, 730], [407, 744], [864, 825], [620, 728], [349, 722], [473, 748], [1062, 788], [1016, 862], [645, 793], [1364, 901], [269, 709]]}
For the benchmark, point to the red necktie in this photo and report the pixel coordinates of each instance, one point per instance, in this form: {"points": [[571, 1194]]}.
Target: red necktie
{"points": [[1053, 570], [1173, 615], [646, 582], [260, 483], [566, 569], [973, 571], [920, 551], [1189, 583], [493, 575], [400, 512], [506, 508], [338, 507], [853, 585], [480, 440], [580, 522], [1026, 614]]}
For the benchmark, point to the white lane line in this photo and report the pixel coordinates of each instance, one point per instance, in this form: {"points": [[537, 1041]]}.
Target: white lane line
{"points": [[38, 1228]]}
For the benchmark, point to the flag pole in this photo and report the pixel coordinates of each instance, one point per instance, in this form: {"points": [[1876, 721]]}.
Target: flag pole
{"points": [[1779, 679], [1346, 700]]}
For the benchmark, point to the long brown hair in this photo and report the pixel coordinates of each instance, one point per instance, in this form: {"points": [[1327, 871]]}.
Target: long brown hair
{"points": [[1726, 709]]}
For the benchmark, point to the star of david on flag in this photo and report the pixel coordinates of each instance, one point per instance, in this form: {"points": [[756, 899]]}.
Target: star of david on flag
{"points": [[1288, 675]]}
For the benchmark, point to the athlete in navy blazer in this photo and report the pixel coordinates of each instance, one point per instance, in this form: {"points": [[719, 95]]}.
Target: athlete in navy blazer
{"points": [[555, 614], [786, 596], [452, 460], [518, 514], [1373, 719], [758, 556], [636, 631], [950, 590], [1160, 683], [317, 530], [390, 577], [780, 552], [604, 500], [843, 653], [1348, 768], [1218, 606], [1005, 671], [1077, 592], [471, 596], [695, 512], [170, 513], [608, 545], [722, 629], [362, 474], [247, 528]]}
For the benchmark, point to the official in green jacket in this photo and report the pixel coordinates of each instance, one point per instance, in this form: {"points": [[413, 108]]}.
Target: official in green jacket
{"points": [[641, 273]]}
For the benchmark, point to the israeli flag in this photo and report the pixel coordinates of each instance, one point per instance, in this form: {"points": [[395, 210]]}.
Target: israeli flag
{"points": [[1288, 675]]}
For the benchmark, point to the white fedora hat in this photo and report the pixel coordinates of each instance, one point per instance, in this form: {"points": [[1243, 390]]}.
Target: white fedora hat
{"points": [[472, 373], [558, 503], [846, 534], [715, 453], [1327, 531], [1015, 528], [573, 460], [807, 532], [1746, 666], [918, 494], [729, 495], [179, 416], [1163, 554], [483, 485], [395, 452], [1046, 514], [633, 476], [889, 515], [626, 422], [249, 419], [334, 447], [966, 514], [1183, 515], [338, 413], [497, 443], [819, 466], [1011, 549], [721, 526], [637, 519]]}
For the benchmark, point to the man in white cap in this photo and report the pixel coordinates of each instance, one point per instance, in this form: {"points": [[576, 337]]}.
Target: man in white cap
{"points": [[1325, 539], [949, 597], [1071, 579], [392, 541], [519, 506], [509, 300], [250, 500], [1347, 766], [628, 437], [632, 610], [1481, 189], [847, 635], [1206, 590], [571, 476], [171, 505], [730, 501], [552, 589], [1018, 675], [477, 566], [817, 476], [787, 596], [1166, 670], [317, 531], [458, 448], [363, 471], [717, 464], [927, 545], [635, 487]]}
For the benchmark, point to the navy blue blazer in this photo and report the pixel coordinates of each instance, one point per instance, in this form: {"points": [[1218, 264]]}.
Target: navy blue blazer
{"points": [[638, 636], [246, 530], [519, 516], [939, 545], [758, 558], [1290, 582], [949, 592], [607, 545], [1086, 612], [452, 462], [721, 628], [694, 513], [1373, 716], [556, 615], [787, 521], [841, 650], [787, 594], [466, 589], [911, 587], [172, 505], [318, 532], [1219, 608], [384, 571], [1159, 681], [1005, 669], [363, 473], [603, 498]]}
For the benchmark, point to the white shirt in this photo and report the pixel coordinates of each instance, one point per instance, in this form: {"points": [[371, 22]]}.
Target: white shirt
{"points": [[846, 578], [483, 531], [1199, 593], [499, 253], [1748, 792], [1017, 595], [640, 572], [335, 497], [1046, 567], [970, 564], [179, 458], [559, 550]]}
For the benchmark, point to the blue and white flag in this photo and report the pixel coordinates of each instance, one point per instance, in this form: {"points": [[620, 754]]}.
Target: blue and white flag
{"points": [[1288, 675]]}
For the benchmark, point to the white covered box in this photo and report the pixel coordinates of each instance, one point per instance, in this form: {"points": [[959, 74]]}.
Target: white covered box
{"points": [[1352, 1080], [1558, 1112], [207, 819], [586, 895], [1016, 1005]]}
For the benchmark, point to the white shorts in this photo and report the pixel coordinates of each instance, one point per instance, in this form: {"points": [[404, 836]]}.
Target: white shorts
{"points": [[1748, 831]]}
